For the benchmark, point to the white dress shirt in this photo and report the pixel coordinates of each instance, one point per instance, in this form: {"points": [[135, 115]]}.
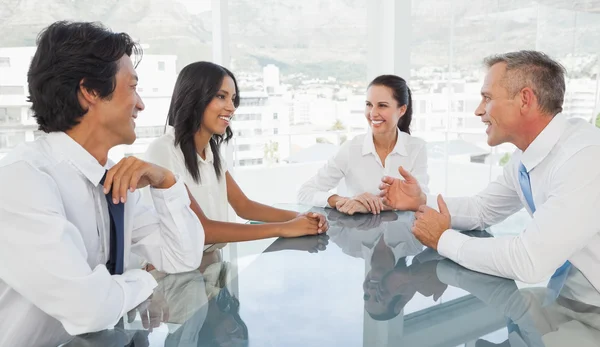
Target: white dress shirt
{"points": [[55, 237], [564, 172], [210, 192], [359, 164]]}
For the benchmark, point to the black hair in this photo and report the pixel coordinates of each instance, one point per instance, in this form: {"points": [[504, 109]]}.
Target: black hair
{"points": [[226, 304], [67, 54], [401, 93], [196, 86], [207, 336]]}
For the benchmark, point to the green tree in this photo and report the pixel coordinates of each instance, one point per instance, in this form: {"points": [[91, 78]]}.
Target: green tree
{"points": [[322, 140], [271, 152], [338, 125]]}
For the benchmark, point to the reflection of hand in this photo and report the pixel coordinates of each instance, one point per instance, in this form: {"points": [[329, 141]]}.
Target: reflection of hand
{"points": [[153, 311], [361, 221], [428, 254], [311, 244], [371, 202], [334, 215], [319, 243], [350, 206], [370, 223]]}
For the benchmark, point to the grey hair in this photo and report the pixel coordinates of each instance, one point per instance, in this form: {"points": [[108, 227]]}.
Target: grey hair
{"points": [[536, 70]]}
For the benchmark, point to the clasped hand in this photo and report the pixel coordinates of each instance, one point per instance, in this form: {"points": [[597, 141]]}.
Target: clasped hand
{"points": [[363, 203]]}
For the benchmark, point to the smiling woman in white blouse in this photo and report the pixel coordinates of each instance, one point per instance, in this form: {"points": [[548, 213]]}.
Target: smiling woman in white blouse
{"points": [[204, 99], [365, 159]]}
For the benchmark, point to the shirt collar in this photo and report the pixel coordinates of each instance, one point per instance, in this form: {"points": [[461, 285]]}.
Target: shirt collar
{"points": [[541, 146], [207, 150], [65, 147], [399, 147], [209, 154]]}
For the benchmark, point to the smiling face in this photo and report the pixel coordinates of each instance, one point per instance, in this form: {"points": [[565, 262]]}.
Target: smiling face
{"points": [[382, 110], [499, 110], [218, 113], [117, 113]]}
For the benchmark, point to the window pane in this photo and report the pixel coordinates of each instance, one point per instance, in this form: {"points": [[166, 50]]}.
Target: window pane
{"points": [[172, 34], [450, 42], [10, 115], [12, 90], [301, 68], [4, 62]]}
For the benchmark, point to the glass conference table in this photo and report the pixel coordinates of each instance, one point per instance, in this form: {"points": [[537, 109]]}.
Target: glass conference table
{"points": [[368, 282]]}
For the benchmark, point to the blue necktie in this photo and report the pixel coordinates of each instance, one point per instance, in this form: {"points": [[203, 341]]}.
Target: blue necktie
{"points": [[117, 234], [557, 281], [526, 187]]}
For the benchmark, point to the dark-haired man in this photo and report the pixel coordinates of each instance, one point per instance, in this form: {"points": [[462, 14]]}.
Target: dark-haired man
{"points": [[69, 218]]}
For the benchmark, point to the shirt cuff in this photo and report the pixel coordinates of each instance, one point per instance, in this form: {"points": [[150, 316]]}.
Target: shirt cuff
{"points": [[320, 199], [137, 286], [174, 193], [450, 243]]}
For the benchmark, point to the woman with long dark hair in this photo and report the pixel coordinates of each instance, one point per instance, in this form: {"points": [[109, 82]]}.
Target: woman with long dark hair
{"points": [[204, 100], [386, 150]]}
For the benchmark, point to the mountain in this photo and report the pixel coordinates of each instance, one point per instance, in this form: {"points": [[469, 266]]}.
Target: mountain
{"points": [[323, 38]]}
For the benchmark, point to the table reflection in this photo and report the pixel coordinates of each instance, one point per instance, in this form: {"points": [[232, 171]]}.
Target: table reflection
{"points": [[368, 282], [530, 320]]}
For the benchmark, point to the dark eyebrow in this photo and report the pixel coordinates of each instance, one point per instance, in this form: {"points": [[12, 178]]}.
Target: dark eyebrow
{"points": [[135, 77], [224, 91]]}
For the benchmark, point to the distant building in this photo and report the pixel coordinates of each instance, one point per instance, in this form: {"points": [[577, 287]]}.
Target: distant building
{"points": [[315, 153], [261, 128], [16, 122], [271, 78]]}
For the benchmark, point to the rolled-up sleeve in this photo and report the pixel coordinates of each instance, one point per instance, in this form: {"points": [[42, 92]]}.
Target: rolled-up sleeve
{"points": [[491, 206], [169, 234], [563, 225], [316, 191]]}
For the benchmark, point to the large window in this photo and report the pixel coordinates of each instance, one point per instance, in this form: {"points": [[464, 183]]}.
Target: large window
{"points": [[4, 62], [11, 139], [12, 90], [172, 34], [302, 79], [303, 67], [10, 115], [450, 41]]}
